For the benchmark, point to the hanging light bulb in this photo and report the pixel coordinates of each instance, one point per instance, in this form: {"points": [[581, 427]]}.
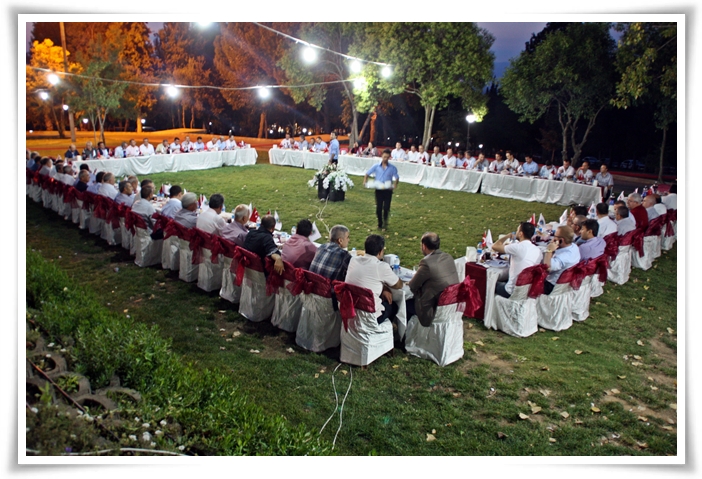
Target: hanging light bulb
{"points": [[386, 71], [356, 66], [309, 54], [43, 95], [53, 78], [359, 83], [264, 92], [172, 91]]}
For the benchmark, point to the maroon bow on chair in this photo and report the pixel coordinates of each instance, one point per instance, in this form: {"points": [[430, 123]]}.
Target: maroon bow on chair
{"points": [[574, 275], [201, 239], [161, 222], [638, 241], [133, 220], [351, 297], [466, 294], [173, 228], [113, 215], [598, 266], [612, 245], [101, 206], [535, 276], [274, 281], [88, 200], [670, 217], [245, 259], [298, 283], [30, 176], [655, 226]]}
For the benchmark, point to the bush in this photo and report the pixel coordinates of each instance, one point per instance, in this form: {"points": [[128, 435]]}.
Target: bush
{"points": [[214, 417]]}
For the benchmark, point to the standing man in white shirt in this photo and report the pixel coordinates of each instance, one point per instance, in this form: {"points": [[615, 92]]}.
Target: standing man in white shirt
{"points": [[132, 149], [209, 220], [607, 225], [523, 255], [146, 148], [449, 160], [398, 153]]}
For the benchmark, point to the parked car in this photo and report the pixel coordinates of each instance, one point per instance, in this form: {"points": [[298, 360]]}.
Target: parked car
{"points": [[634, 165], [592, 161]]}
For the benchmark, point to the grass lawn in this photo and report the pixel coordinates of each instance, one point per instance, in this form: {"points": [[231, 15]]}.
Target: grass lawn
{"points": [[617, 397]]}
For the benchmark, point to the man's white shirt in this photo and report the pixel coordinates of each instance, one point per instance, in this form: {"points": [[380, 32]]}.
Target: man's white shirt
{"points": [[497, 166], [175, 147], [107, 189], [211, 146], [412, 156], [210, 222], [398, 154], [132, 151], [450, 162], [146, 149], [563, 172], [587, 176], [607, 226], [286, 143]]}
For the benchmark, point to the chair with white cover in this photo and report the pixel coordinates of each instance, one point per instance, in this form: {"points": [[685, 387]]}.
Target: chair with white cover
{"points": [[442, 341], [255, 305], [148, 250], [126, 235], [620, 268], [460, 267], [65, 201], [112, 232], [229, 290], [598, 268], [517, 315], [554, 311], [670, 232], [31, 184], [205, 247], [187, 271], [56, 191], [582, 288], [652, 236], [76, 199], [46, 185], [640, 258], [94, 223], [288, 307], [363, 340], [170, 253], [86, 210], [35, 189], [100, 212], [319, 326]]}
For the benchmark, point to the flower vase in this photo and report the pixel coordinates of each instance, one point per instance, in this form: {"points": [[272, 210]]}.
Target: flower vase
{"points": [[337, 195], [322, 193]]}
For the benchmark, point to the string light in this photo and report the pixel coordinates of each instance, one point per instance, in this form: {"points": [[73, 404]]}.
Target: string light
{"points": [[386, 72], [172, 91], [53, 78], [264, 92], [299, 40], [359, 83], [356, 66], [43, 95], [65, 107], [176, 87], [309, 54]]}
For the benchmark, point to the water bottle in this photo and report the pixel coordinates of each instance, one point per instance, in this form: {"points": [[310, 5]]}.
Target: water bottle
{"points": [[258, 222], [293, 230], [480, 251], [611, 200], [353, 251], [645, 192]]}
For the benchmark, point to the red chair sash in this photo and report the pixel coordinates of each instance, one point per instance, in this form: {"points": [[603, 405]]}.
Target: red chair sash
{"points": [[173, 228], [671, 216], [200, 239], [30, 176], [227, 247], [535, 276], [297, 284], [598, 266], [612, 245], [574, 275], [243, 259], [466, 294], [655, 226], [133, 220], [88, 200], [37, 178], [633, 238], [113, 215], [351, 297], [274, 281], [70, 196], [101, 206], [161, 222]]}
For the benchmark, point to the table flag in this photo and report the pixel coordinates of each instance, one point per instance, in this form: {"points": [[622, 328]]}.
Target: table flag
{"points": [[278, 224], [315, 232]]}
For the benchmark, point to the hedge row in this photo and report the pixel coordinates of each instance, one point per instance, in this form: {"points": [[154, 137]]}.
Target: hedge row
{"points": [[213, 415]]}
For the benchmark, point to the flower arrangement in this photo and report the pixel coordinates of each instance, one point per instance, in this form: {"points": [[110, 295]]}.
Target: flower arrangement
{"points": [[337, 180], [322, 174]]}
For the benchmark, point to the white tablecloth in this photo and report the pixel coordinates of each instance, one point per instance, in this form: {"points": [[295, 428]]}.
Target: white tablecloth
{"points": [[536, 189], [494, 274], [146, 165]]}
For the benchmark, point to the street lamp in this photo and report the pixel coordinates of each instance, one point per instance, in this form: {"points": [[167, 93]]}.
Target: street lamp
{"points": [[53, 78], [309, 54], [43, 95], [264, 92], [470, 119], [65, 107], [172, 91], [386, 71], [143, 120]]}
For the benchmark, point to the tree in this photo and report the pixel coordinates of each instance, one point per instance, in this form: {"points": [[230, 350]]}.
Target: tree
{"points": [[435, 62], [571, 70], [647, 60]]}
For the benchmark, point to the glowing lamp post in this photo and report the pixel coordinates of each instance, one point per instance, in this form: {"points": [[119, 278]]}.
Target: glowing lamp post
{"points": [[470, 119]]}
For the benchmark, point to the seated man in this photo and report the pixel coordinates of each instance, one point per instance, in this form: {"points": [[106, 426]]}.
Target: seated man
{"points": [[449, 160], [230, 144], [212, 144], [260, 241], [547, 170], [560, 255], [187, 145], [209, 220], [144, 208], [332, 259], [187, 216], [198, 145], [286, 142], [163, 148], [471, 161], [592, 246], [523, 255], [398, 153], [371, 151], [436, 157], [607, 225], [371, 272], [302, 144], [498, 165], [461, 159], [413, 154], [625, 222], [46, 165], [146, 148], [107, 187], [93, 188], [319, 145], [299, 250], [435, 273], [482, 164], [637, 210], [221, 143], [605, 180], [175, 146], [236, 231], [529, 167], [89, 152], [67, 177], [83, 180], [121, 150], [512, 164], [649, 202], [577, 224], [102, 150], [72, 152], [174, 204], [132, 149], [670, 200], [584, 173], [565, 171], [125, 195]]}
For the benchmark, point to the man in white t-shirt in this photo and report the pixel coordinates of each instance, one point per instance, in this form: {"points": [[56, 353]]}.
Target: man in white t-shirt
{"points": [[212, 144], [436, 157], [371, 272], [584, 173], [449, 160], [511, 164], [398, 153], [132, 149], [523, 255], [422, 156], [209, 220], [286, 143], [187, 145], [498, 165], [175, 146], [607, 224], [565, 171], [146, 148], [230, 144], [413, 154]]}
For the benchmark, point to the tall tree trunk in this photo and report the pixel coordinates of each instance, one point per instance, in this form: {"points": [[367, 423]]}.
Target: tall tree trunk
{"points": [[425, 135], [62, 125], [192, 117], [353, 137], [578, 147], [564, 133], [126, 125], [262, 126], [54, 120], [374, 118], [182, 114], [138, 120], [65, 69], [363, 128], [660, 164]]}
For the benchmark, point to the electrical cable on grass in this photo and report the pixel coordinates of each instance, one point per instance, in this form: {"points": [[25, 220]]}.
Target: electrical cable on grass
{"points": [[341, 410], [336, 406]]}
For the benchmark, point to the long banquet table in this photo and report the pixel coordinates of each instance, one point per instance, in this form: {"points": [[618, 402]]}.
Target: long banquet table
{"points": [[146, 165], [471, 181]]}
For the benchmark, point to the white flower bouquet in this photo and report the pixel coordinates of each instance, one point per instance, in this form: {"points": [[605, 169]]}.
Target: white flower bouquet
{"points": [[338, 180]]}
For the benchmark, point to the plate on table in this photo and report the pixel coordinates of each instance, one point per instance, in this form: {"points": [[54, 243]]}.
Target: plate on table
{"points": [[407, 276]]}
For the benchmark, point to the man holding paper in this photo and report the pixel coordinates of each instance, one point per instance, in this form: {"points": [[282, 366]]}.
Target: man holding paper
{"points": [[386, 178]]}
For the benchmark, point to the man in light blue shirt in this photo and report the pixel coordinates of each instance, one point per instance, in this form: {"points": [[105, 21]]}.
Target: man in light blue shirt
{"points": [[333, 149], [302, 144], [386, 178], [560, 255], [199, 145], [592, 245], [529, 167], [319, 145]]}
